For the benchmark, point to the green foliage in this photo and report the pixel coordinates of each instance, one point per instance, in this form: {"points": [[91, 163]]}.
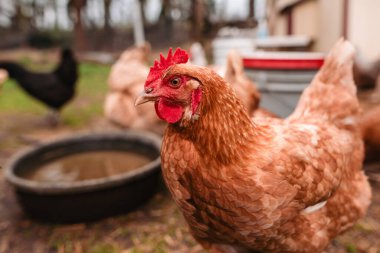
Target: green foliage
{"points": [[15, 100], [89, 100]]}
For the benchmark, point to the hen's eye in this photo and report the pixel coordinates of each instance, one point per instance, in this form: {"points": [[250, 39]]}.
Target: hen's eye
{"points": [[175, 82]]}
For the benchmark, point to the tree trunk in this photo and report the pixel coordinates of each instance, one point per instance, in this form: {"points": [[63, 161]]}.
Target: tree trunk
{"points": [[165, 19], [198, 11], [79, 38], [142, 3], [251, 15], [251, 9], [107, 26], [56, 10], [17, 19]]}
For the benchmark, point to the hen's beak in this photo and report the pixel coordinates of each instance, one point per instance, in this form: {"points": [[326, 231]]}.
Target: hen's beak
{"points": [[143, 98]]}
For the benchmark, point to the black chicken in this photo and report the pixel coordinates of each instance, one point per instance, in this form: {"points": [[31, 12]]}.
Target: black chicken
{"points": [[55, 88]]}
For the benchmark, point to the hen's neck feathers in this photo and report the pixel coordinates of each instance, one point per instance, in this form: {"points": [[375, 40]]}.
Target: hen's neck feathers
{"points": [[223, 129]]}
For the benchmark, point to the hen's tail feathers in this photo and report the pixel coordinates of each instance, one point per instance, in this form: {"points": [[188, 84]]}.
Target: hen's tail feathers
{"points": [[337, 68], [332, 93]]}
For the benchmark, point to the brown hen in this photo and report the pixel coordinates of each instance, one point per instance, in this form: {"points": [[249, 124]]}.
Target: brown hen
{"points": [[265, 184]]}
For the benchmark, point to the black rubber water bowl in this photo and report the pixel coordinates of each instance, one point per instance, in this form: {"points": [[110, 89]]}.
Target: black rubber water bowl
{"points": [[59, 193]]}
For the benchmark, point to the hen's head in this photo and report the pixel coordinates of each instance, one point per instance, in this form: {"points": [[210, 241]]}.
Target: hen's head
{"points": [[176, 94]]}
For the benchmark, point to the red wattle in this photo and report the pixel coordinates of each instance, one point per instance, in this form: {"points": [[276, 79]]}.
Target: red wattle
{"points": [[196, 96], [168, 111]]}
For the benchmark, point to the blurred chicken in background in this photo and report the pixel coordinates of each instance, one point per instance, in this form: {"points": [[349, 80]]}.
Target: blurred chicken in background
{"points": [[367, 77], [3, 76], [198, 57], [54, 89], [370, 128], [233, 73], [197, 54], [125, 81], [365, 72], [245, 89]]}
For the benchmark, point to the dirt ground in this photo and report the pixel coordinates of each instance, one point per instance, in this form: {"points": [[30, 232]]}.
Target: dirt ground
{"points": [[155, 227]]}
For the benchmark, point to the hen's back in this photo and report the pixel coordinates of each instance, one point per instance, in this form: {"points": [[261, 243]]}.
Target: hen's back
{"points": [[331, 102]]}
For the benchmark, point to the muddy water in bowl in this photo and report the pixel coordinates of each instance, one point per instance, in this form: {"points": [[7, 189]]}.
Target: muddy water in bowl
{"points": [[86, 166]]}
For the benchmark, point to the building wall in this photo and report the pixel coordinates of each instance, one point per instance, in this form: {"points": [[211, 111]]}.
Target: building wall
{"points": [[330, 19], [280, 27], [323, 21], [277, 24], [320, 19], [363, 27], [305, 19]]}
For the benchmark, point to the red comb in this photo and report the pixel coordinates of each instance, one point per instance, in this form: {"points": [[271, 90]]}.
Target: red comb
{"points": [[179, 56]]}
